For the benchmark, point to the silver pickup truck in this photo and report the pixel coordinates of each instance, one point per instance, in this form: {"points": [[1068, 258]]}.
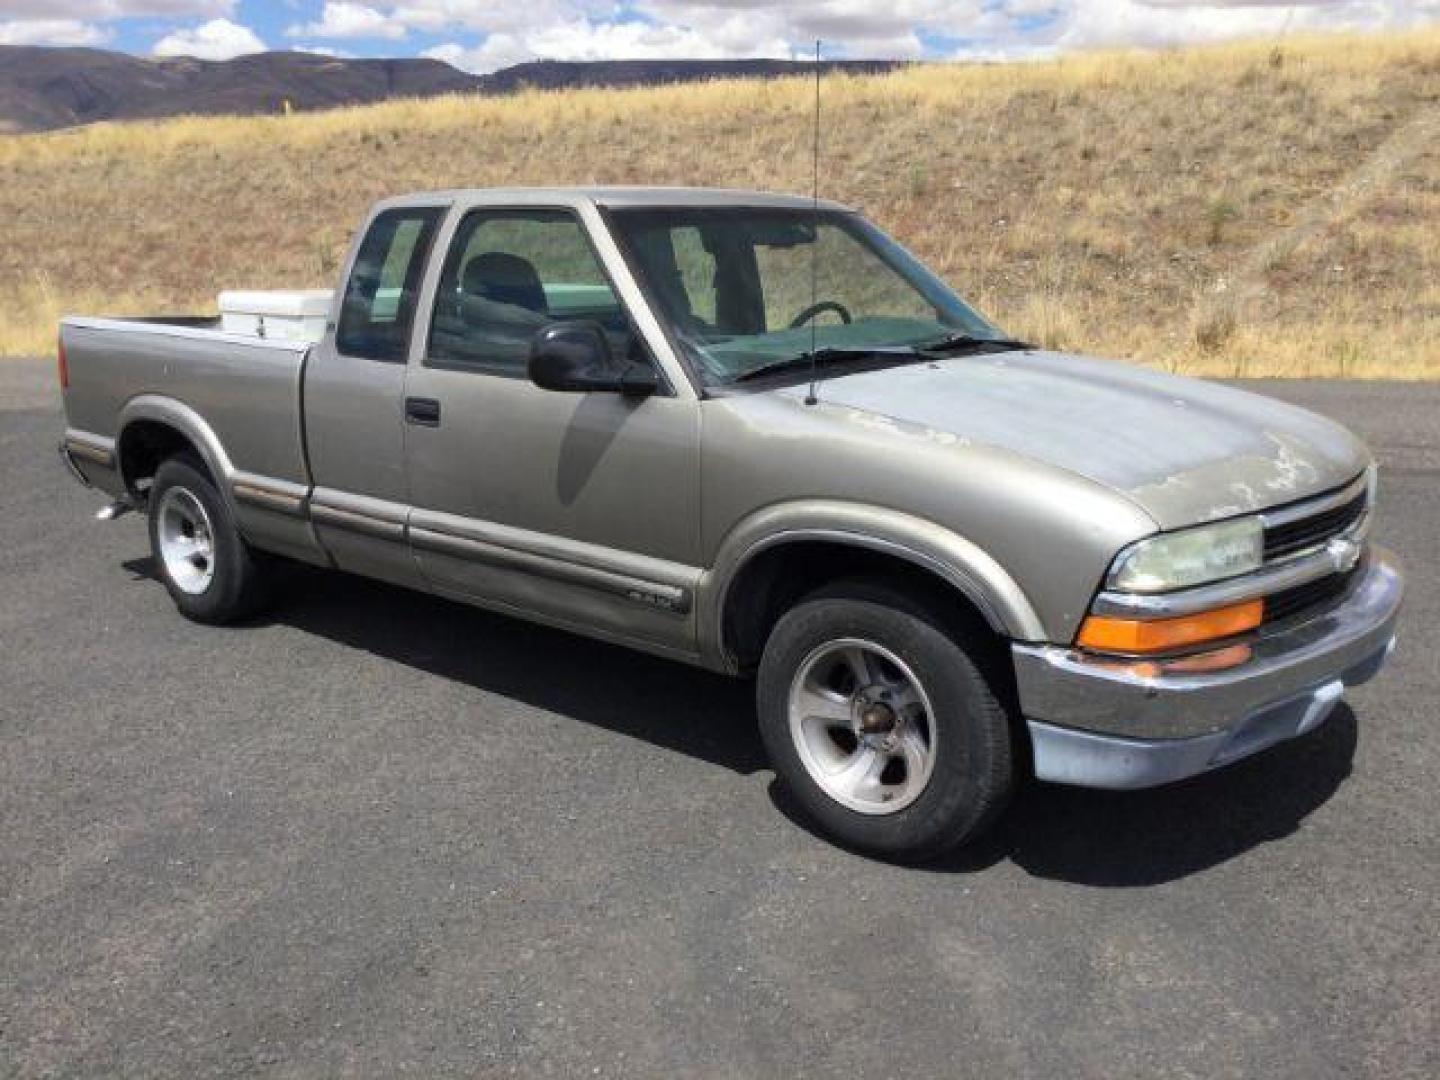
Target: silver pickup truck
{"points": [[753, 433]]}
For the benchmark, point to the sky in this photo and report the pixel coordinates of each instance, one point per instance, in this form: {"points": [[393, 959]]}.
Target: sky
{"points": [[485, 35]]}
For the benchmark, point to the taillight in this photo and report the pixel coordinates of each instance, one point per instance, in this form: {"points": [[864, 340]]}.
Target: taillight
{"points": [[60, 362]]}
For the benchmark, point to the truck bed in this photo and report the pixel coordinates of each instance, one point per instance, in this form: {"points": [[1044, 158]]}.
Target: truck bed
{"points": [[242, 390]]}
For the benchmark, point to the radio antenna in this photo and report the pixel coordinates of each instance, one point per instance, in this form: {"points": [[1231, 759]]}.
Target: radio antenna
{"points": [[810, 398]]}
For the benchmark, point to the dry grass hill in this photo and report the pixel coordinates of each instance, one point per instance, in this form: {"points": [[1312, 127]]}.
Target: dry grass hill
{"points": [[1241, 210]]}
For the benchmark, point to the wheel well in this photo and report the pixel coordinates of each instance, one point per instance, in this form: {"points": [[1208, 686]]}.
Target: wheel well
{"points": [[143, 446], [776, 579]]}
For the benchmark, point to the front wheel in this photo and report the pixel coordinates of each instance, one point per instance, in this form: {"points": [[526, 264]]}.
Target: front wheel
{"points": [[210, 572], [887, 731]]}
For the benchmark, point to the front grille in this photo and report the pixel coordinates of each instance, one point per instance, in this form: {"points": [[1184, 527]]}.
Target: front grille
{"points": [[1308, 532], [1292, 601]]}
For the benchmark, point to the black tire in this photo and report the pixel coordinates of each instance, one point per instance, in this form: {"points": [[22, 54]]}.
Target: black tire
{"points": [[237, 586], [973, 771]]}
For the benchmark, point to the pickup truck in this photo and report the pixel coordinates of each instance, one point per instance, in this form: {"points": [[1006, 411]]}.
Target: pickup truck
{"points": [[751, 432]]}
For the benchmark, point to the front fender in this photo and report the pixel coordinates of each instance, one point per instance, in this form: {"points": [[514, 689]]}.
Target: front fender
{"points": [[966, 566]]}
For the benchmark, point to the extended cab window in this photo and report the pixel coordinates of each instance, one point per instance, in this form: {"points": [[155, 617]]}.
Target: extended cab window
{"points": [[510, 272], [379, 305]]}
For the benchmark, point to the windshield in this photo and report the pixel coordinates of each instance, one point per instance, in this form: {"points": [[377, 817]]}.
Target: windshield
{"points": [[735, 285]]}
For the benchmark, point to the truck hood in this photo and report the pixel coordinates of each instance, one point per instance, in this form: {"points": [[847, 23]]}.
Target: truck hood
{"points": [[1186, 451]]}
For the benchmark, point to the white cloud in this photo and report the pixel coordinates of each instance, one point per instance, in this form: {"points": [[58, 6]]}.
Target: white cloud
{"points": [[50, 32], [1173, 22], [496, 52], [324, 50], [991, 29], [98, 10], [486, 34], [1021, 9], [600, 41], [348, 20], [575, 29], [690, 29], [218, 39], [457, 17]]}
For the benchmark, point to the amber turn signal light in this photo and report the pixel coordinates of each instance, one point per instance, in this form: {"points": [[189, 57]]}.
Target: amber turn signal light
{"points": [[1107, 634]]}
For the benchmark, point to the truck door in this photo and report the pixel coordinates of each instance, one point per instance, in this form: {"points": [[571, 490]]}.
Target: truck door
{"points": [[353, 395], [577, 508]]}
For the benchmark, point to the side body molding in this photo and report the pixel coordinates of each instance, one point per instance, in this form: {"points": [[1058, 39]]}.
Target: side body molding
{"points": [[967, 567]]}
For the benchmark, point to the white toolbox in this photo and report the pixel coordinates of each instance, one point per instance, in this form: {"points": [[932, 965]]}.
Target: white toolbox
{"points": [[288, 314]]}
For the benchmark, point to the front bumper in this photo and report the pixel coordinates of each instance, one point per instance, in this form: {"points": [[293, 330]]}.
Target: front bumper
{"points": [[1104, 724]]}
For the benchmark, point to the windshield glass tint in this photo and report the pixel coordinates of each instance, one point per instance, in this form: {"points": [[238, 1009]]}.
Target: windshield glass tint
{"points": [[736, 286]]}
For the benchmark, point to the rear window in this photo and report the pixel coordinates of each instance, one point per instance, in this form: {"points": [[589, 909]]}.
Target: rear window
{"points": [[380, 296]]}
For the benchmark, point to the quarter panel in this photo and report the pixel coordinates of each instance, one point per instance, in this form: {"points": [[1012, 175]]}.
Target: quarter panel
{"points": [[222, 393], [248, 391]]}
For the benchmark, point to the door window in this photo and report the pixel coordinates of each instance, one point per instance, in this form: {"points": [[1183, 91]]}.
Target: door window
{"points": [[508, 274], [380, 296]]}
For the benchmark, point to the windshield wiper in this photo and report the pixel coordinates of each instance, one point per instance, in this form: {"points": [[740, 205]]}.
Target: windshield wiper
{"points": [[956, 342], [828, 354]]}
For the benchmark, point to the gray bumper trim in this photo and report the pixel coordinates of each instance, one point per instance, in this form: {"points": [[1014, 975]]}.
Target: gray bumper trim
{"points": [[1109, 725], [1089, 759]]}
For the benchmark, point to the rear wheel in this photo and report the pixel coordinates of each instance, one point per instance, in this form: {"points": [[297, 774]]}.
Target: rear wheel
{"points": [[886, 729], [210, 572]]}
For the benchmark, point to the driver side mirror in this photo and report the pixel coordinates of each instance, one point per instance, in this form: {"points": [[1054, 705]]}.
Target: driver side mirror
{"points": [[575, 357]]}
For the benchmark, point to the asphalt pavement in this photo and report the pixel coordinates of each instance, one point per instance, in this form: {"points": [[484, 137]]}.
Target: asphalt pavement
{"points": [[378, 833]]}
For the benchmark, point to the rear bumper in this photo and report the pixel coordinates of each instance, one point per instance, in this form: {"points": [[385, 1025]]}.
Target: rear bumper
{"points": [[68, 460], [1106, 724], [90, 459]]}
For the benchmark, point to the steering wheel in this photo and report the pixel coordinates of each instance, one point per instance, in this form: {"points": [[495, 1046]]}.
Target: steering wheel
{"points": [[818, 309]]}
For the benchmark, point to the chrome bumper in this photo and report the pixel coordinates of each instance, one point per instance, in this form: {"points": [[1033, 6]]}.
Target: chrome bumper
{"points": [[91, 460], [71, 467], [1102, 724]]}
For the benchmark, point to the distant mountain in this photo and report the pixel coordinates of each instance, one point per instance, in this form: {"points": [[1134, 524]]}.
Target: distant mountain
{"points": [[559, 74], [47, 88], [44, 88]]}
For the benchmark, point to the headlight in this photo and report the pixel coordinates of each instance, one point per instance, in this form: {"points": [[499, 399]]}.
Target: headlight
{"points": [[1190, 557]]}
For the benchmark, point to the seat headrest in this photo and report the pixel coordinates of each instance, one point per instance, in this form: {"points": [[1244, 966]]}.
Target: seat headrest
{"points": [[505, 279]]}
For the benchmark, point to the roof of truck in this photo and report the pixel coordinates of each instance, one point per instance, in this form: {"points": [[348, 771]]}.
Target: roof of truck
{"points": [[619, 196]]}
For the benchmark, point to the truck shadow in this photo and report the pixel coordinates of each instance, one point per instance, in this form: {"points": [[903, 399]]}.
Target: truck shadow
{"points": [[1127, 839], [1096, 838], [672, 705]]}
